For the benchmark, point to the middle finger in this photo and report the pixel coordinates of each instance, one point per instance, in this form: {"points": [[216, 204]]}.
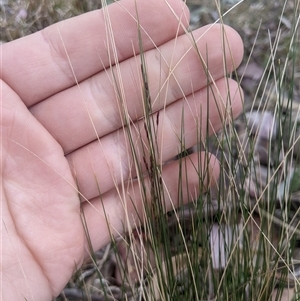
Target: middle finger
{"points": [[81, 114]]}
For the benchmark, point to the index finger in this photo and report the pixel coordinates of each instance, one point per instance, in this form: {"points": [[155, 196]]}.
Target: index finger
{"points": [[38, 66]]}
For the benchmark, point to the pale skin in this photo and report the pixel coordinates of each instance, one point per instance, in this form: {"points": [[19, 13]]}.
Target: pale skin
{"points": [[50, 128]]}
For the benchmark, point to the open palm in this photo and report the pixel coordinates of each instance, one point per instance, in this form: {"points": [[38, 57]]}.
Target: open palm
{"points": [[63, 145]]}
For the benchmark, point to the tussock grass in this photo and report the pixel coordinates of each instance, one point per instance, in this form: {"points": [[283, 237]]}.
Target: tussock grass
{"points": [[235, 241]]}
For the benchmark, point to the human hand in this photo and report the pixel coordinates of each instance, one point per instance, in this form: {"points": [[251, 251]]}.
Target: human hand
{"points": [[63, 142]]}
